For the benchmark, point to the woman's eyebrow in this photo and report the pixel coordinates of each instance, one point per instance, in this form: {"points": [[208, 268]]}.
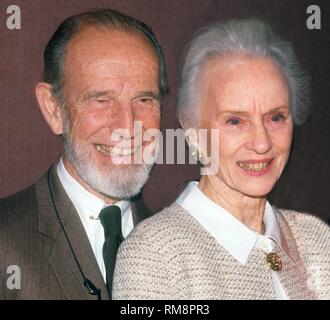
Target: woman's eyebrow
{"points": [[238, 112], [281, 108]]}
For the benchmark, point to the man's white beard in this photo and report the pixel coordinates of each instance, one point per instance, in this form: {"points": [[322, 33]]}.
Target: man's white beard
{"points": [[117, 182]]}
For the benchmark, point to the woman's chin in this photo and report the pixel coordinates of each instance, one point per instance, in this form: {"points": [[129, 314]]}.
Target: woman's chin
{"points": [[255, 191]]}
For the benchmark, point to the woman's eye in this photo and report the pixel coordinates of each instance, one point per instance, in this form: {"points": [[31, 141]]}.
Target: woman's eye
{"points": [[278, 117], [233, 121]]}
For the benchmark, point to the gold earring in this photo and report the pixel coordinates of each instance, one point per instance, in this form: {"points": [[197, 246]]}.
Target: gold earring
{"points": [[195, 153]]}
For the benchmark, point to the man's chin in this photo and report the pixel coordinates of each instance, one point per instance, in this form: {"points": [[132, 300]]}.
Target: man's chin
{"points": [[120, 166], [118, 181]]}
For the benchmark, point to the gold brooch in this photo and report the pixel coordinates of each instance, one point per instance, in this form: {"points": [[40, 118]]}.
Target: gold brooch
{"points": [[274, 261]]}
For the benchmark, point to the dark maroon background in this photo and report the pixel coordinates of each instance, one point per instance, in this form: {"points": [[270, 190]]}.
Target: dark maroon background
{"points": [[28, 147]]}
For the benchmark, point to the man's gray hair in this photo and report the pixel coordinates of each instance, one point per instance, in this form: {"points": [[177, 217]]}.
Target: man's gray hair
{"points": [[251, 37], [56, 49]]}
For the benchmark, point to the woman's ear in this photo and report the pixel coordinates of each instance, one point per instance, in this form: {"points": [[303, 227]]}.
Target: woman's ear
{"points": [[49, 107], [188, 134], [191, 136]]}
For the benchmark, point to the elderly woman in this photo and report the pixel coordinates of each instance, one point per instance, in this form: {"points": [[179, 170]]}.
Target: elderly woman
{"points": [[221, 239]]}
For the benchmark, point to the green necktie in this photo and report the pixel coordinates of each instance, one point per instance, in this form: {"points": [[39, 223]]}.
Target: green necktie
{"points": [[111, 221]]}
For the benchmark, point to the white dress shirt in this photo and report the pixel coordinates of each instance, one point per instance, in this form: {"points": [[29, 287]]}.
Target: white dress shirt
{"points": [[232, 234], [88, 207]]}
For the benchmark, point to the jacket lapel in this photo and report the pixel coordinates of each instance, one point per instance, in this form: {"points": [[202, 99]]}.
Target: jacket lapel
{"points": [[62, 258], [139, 210], [293, 276]]}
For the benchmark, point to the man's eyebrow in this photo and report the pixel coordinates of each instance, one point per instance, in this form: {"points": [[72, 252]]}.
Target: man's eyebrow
{"points": [[151, 94], [95, 94]]}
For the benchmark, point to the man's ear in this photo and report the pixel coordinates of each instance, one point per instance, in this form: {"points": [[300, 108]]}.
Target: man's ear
{"points": [[49, 107]]}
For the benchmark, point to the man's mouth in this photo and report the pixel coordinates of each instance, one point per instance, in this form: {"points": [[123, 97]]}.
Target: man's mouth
{"points": [[115, 151], [255, 166]]}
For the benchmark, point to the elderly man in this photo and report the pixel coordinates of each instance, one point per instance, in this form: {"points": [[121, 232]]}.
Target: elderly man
{"points": [[103, 72]]}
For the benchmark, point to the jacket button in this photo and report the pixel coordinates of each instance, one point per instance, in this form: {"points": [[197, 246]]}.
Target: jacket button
{"points": [[274, 261]]}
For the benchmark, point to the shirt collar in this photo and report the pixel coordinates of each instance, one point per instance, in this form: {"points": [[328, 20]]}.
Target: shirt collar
{"points": [[274, 231], [87, 204], [232, 234]]}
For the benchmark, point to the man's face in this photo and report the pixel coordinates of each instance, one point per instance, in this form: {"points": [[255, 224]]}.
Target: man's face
{"points": [[110, 81]]}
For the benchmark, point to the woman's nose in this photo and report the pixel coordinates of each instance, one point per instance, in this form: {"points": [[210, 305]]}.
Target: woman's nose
{"points": [[259, 140]]}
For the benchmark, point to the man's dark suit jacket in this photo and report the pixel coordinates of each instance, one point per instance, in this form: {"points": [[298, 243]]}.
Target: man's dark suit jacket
{"points": [[31, 237]]}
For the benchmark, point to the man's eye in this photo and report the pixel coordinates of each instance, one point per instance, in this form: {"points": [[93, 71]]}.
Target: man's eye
{"points": [[233, 121], [145, 100], [102, 101]]}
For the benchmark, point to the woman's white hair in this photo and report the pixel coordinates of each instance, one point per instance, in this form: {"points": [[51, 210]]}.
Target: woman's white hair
{"points": [[251, 37]]}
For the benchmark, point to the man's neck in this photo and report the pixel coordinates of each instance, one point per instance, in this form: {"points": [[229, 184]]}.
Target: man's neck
{"points": [[73, 173]]}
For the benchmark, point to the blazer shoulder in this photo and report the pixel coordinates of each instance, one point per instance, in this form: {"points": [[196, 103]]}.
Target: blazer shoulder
{"points": [[18, 201], [18, 219], [308, 227], [172, 222], [303, 218], [139, 209], [17, 212]]}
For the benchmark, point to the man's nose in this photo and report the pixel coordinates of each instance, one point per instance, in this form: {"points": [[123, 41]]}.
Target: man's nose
{"points": [[123, 122], [259, 140]]}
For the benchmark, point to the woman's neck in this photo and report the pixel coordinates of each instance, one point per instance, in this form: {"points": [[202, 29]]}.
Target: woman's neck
{"points": [[249, 210]]}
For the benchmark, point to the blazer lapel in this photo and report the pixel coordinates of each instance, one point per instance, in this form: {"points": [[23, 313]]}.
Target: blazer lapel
{"points": [[139, 210], [62, 259], [293, 276]]}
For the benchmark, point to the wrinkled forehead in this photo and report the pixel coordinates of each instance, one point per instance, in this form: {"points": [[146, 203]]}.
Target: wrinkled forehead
{"points": [[244, 78], [238, 66], [93, 46]]}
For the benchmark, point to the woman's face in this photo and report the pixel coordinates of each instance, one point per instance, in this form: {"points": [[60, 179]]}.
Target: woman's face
{"points": [[247, 100]]}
